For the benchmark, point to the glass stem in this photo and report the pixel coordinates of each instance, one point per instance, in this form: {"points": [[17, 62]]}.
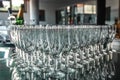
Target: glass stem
{"points": [[56, 64], [48, 64], [67, 61], [43, 60], [75, 58]]}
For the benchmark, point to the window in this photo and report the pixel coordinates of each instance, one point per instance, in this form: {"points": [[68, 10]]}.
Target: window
{"points": [[80, 8], [88, 9], [14, 4], [42, 15], [4, 5], [94, 9]]}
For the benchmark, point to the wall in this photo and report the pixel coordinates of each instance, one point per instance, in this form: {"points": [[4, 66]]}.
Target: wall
{"points": [[49, 12], [3, 18], [114, 4], [51, 7], [3, 15]]}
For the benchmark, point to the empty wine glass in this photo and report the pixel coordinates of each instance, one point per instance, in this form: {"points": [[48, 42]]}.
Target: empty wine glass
{"points": [[63, 52]]}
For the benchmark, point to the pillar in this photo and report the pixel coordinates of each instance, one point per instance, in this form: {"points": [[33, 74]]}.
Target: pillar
{"points": [[119, 9], [101, 12], [34, 12]]}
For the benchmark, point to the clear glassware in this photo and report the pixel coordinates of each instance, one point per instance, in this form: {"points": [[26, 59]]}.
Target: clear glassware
{"points": [[63, 52]]}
